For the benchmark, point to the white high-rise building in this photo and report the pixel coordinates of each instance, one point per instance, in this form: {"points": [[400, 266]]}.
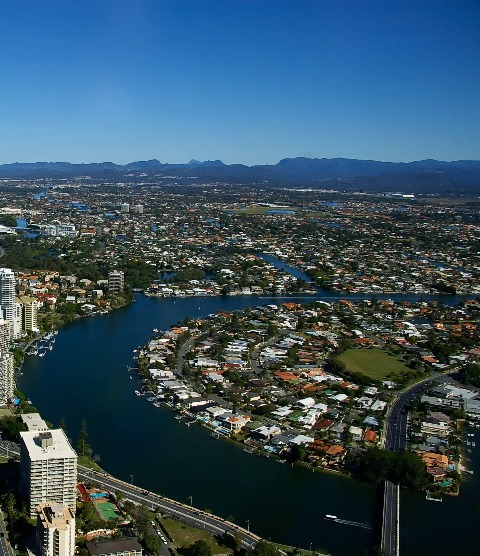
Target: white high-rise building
{"points": [[7, 382], [7, 294], [55, 530], [48, 469], [116, 281]]}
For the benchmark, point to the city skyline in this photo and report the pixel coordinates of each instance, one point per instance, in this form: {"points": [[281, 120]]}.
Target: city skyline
{"points": [[244, 82]]}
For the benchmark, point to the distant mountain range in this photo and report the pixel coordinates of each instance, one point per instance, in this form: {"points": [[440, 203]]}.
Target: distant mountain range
{"points": [[333, 173]]}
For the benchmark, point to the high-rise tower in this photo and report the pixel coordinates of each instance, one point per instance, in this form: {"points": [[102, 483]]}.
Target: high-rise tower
{"points": [[48, 469], [7, 295]]}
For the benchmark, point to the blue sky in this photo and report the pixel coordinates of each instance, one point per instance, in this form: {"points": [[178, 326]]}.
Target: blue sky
{"points": [[247, 81]]}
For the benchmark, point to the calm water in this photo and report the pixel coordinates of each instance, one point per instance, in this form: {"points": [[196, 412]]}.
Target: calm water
{"points": [[85, 376]]}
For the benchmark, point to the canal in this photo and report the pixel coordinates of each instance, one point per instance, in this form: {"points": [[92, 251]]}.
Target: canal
{"points": [[85, 376]]}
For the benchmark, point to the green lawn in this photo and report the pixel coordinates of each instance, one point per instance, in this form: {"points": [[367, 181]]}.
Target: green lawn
{"points": [[183, 535], [374, 363]]}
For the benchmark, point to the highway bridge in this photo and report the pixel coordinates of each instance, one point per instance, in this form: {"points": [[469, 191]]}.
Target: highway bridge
{"points": [[138, 495], [391, 519]]}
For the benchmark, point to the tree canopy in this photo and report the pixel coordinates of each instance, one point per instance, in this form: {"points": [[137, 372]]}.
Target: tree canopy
{"points": [[375, 465], [470, 374]]}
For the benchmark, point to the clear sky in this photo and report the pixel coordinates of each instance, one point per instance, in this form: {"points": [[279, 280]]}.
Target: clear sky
{"points": [[247, 81]]}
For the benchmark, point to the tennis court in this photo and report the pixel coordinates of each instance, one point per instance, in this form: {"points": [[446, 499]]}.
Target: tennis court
{"points": [[108, 510]]}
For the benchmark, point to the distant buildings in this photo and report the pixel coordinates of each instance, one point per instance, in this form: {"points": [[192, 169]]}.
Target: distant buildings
{"points": [[116, 281], [57, 229], [48, 469], [55, 530]]}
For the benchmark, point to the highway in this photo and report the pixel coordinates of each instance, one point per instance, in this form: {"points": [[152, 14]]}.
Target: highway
{"points": [[188, 514]]}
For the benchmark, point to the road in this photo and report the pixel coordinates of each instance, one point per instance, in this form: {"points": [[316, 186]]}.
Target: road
{"points": [[188, 514], [182, 352], [390, 522], [396, 419]]}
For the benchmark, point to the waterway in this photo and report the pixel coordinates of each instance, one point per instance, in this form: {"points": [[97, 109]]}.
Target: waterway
{"points": [[85, 376]]}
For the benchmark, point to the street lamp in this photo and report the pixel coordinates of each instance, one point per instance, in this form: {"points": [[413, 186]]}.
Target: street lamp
{"points": [[191, 500], [310, 547], [248, 525], [131, 479]]}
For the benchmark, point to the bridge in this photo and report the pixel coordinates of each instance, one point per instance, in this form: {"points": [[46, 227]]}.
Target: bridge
{"points": [[391, 519]]}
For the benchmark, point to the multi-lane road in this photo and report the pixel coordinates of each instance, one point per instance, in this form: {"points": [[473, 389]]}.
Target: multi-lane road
{"points": [[193, 516], [396, 420]]}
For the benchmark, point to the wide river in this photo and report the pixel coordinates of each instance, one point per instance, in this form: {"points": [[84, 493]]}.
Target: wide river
{"points": [[85, 376]]}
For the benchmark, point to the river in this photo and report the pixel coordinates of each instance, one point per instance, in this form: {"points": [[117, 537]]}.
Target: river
{"points": [[85, 376]]}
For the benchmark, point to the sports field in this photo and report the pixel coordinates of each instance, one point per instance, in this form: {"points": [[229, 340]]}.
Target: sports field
{"points": [[109, 511], [374, 363]]}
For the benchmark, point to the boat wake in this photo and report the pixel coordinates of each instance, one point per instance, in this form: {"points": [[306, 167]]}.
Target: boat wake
{"points": [[354, 524]]}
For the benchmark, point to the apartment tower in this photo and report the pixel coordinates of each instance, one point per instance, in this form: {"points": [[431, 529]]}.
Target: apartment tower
{"points": [[55, 530], [48, 469], [7, 294]]}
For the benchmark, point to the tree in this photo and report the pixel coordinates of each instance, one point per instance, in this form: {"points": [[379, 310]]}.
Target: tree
{"points": [[11, 428], [82, 445], [470, 374], [297, 453], [264, 548], [62, 425], [151, 543], [142, 520], [199, 548]]}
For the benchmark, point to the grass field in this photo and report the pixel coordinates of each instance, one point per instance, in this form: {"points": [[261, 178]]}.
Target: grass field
{"points": [[184, 535], [374, 363]]}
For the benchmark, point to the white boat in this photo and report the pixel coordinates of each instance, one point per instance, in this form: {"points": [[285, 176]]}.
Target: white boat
{"points": [[331, 517], [137, 393], [473, 444]]}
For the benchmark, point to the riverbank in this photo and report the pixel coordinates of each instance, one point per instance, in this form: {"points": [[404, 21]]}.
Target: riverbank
{"points": [[130, 434]]}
